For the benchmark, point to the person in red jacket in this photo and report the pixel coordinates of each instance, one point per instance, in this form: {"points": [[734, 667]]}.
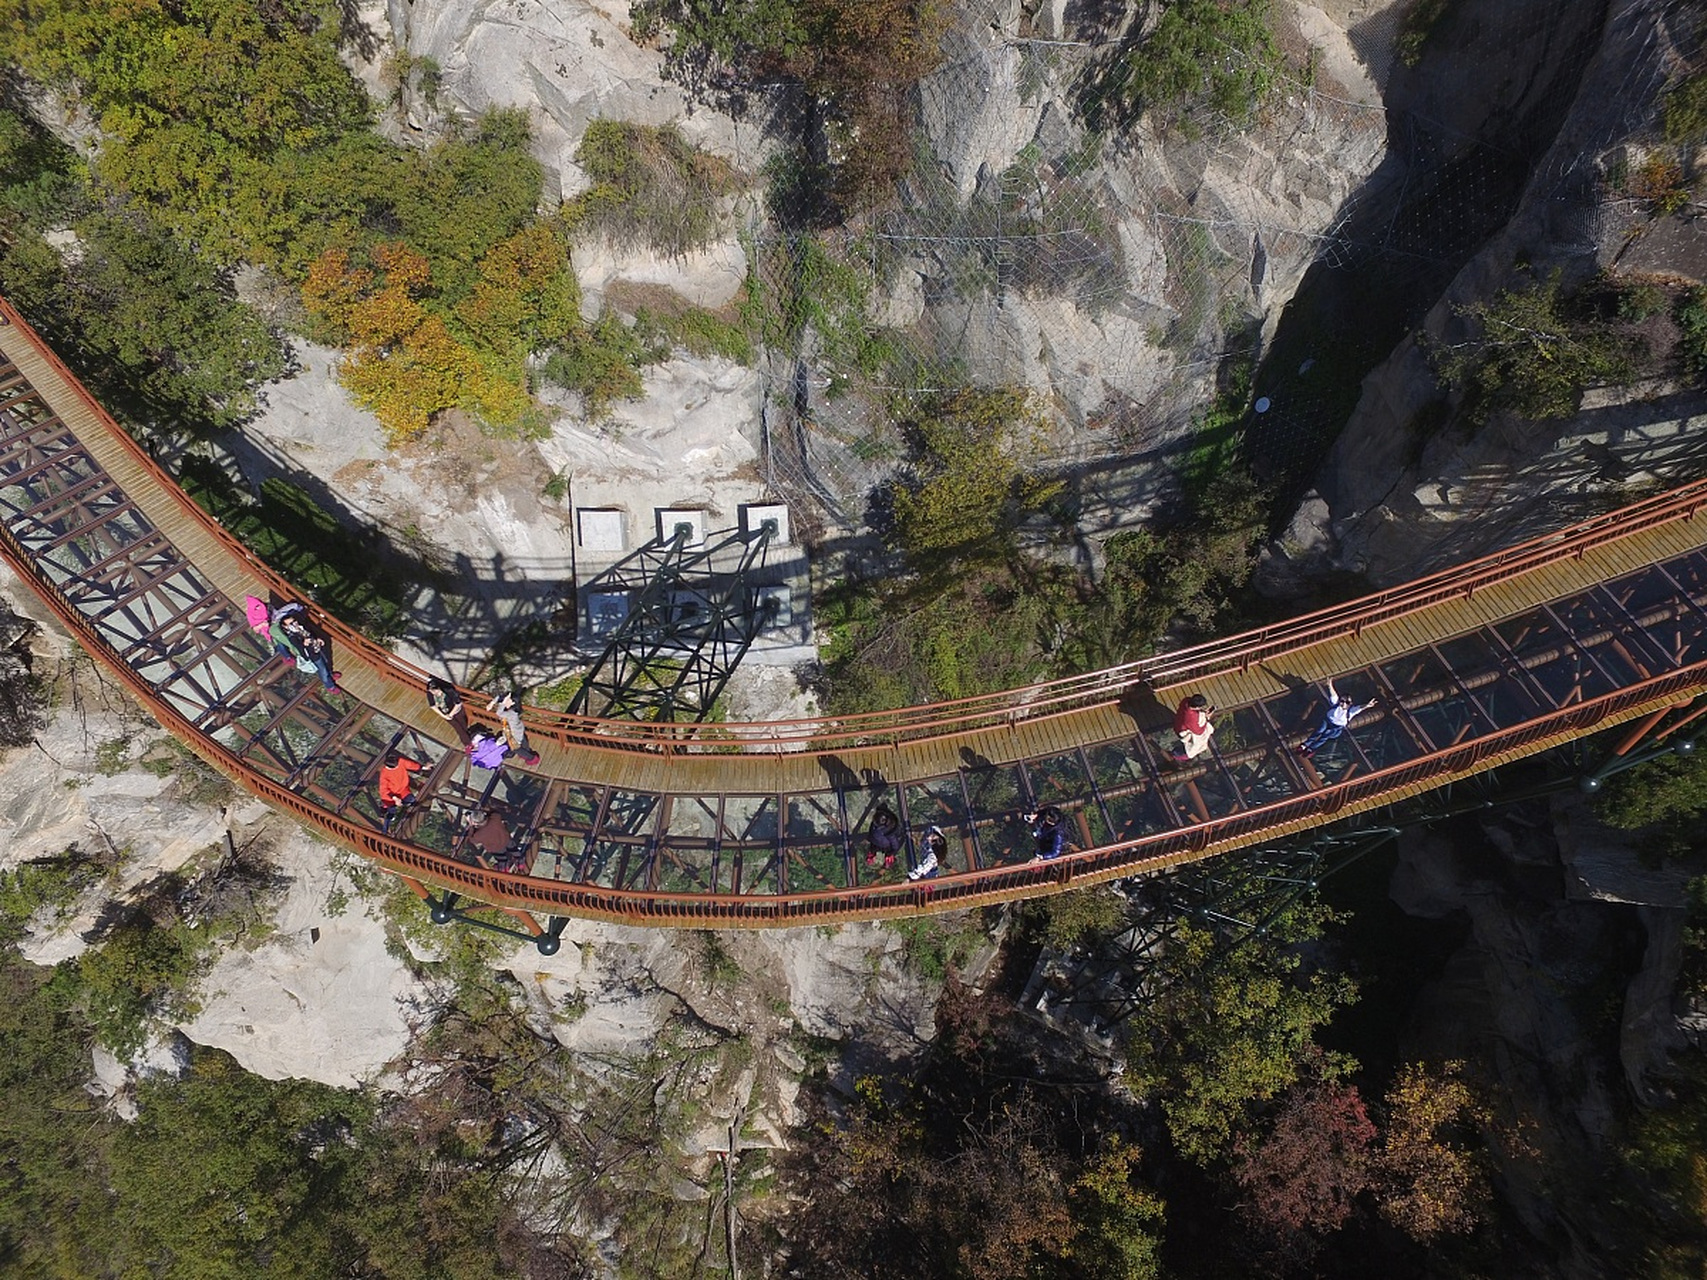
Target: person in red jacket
{"points": [[395, 785], [1193, 723]]}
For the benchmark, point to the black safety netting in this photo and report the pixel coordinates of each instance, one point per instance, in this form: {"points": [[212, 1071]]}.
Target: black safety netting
{"points": [[1150, 277]]}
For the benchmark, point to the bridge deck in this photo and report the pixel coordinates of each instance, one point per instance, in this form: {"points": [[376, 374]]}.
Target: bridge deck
{"points": [[762, 824]]}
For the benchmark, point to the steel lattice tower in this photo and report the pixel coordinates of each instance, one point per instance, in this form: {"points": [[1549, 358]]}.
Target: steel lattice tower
{"points": [[692, 614]]}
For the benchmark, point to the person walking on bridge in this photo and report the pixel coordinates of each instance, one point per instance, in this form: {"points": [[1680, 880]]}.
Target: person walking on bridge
{"points": [[1049, 832], [307, 640], [446, 703], [396, 787], [1340, 714], [1193, 723], [515, 732]]}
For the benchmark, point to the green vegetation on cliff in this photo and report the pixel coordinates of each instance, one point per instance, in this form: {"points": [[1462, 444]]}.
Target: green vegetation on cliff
{"points": [[230, 134]]}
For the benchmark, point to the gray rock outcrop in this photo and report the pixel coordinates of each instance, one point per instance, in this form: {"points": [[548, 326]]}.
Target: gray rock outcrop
{"points": [[1404, 501]]}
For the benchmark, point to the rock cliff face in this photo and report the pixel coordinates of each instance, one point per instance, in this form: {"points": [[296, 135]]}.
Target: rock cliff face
{"points": [[1398, 496], [1108, 277], [1562, 991]]}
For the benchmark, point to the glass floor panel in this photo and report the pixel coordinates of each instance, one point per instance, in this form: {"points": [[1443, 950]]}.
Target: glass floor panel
{"points": [[1341, 758], [692, 818], [1553, 661], [602, 862], [1117, 765], [750, 819], [811, 868], [935, 802], [1387, 739], [1673, 626], [574, 809], [1007, 839], [1690, 573], [1201, 789], [630, 813], [1263, 774], [1301, 708], [1617, 644], [862, 805], [691, 870], [993, 789], [1065, 782]]}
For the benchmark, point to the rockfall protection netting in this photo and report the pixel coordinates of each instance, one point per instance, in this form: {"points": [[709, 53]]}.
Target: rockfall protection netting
{"points": [[1120, 270]]}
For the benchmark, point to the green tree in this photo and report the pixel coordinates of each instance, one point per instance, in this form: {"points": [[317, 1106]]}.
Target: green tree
{"points": [[1119, 1219], [969, 488], [53, 1200], [1535, 352], [161, 336], [1227, 1033], [1217, 55], [194, 100]]}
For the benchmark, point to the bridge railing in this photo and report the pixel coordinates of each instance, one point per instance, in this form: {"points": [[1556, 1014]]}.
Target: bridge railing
{"points": [[1132, 857], [982, 712]]}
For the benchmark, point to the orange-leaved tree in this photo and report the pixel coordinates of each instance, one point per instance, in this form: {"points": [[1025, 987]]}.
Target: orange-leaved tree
{"points": [[407, 360], [1430, 1167]]}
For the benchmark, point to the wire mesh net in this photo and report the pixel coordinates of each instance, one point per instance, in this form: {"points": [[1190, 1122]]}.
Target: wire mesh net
{"points": [[1117, 269]]}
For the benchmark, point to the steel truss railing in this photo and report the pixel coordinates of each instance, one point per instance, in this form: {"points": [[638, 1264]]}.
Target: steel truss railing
{"points": [[122, 584]]}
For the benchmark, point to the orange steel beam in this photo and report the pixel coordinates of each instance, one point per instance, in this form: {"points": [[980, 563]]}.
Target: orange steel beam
{"points": [[523, 896]]}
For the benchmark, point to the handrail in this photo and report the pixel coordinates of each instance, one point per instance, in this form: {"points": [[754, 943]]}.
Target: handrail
{"points": [[1166, 848], [983, 711]]}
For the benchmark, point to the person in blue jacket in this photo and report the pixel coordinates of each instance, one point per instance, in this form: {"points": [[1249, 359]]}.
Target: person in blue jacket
{"points": [[1049, 832]]}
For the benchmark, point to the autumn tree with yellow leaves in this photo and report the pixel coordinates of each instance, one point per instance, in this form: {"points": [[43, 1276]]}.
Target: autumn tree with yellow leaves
{"points": [[409, 357]]}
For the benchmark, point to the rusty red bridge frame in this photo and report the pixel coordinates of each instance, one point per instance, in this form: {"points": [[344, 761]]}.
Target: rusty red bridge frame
{"points": [[754, 825]]}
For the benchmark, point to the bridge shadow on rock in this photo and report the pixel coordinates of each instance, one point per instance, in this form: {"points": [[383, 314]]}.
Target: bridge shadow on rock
{"points": [[478, 620]]}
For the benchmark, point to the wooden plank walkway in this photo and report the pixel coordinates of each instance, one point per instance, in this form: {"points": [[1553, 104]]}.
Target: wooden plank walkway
{"points": [[920, 748]]}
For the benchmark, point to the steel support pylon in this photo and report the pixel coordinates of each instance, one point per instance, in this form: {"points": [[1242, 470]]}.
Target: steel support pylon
{"points": [[692, 616]]}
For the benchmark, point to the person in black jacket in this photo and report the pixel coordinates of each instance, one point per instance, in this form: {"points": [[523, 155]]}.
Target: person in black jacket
{"points": [[883, 838]]}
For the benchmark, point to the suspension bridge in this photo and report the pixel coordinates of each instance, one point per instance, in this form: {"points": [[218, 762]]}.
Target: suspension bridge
{"points": [[753, 825]]}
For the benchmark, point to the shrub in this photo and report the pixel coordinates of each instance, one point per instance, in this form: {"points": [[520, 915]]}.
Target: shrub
{"points": [[1639, 301], [858, 58], [697, 331], [649, 187], [969, 488], [1685, 112], [1659, 180], [33, 887], [603, 362], [1419, 23], [1691, 317], [1534, 353], [1214, 55]]}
